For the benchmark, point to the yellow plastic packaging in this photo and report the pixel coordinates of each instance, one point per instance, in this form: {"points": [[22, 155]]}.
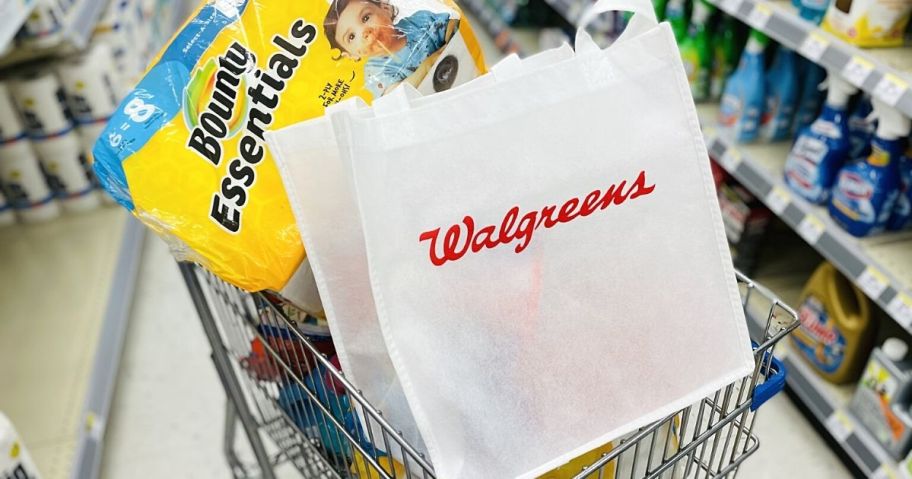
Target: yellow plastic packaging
{"points": [[185, 151], [868, 23]]}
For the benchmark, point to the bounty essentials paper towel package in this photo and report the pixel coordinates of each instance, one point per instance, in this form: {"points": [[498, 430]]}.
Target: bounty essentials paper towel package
{"points": [[185, 150]]}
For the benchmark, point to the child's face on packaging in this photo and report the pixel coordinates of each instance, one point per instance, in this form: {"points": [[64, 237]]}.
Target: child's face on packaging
{"points": [[365, 29]]}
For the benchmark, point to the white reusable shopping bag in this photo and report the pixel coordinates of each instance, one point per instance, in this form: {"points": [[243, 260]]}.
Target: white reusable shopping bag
{"points": [[547, 257], [321, 193]]}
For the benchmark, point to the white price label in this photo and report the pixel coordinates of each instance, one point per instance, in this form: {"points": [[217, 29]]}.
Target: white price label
{"points": [[839, 425], [731, 6], [873, 282], [890, 89], [759, 16], [813, 46], [885, 472], [811, 229], [778, 200], [730, 159], [857, 71], [900, 308]]}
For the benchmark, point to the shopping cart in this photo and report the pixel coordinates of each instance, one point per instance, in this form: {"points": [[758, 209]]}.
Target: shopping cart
{"points": [[282, 386]]}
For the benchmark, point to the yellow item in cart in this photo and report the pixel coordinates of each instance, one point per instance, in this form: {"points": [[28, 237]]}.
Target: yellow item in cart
{"points": [[837, 330], [574, 467], [362, 469], [869, 23], [185, 150]]}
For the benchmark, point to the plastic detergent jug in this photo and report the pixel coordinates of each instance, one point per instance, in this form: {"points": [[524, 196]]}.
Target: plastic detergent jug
{"points": [[861, 128], [881, 399], [696, 53], [744, 96], [781, 96], [676, 14], [724, 55], [15, 461], [866, 191], [902, 212], [869, 23], [811, 95], [836, 330], [821, 148]]}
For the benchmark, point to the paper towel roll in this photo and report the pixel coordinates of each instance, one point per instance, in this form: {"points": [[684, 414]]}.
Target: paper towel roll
{"points": [[15, 460], [21, 172], [91, 84], [43, 24], [67, 172], [7, 215], [11, 127], [40, 100]]}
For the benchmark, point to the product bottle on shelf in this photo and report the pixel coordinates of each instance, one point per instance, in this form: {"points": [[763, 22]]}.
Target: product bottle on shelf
{"points": [[724, 55], [902, 212], [837, 330], [660, 6], [866, 191], [781, 96], [861, 128], [812, 95], [881, 400], [744, 96], [676, 14], [869, 23], [696, 53], [821, 148], [15, 461], [813, 10]]}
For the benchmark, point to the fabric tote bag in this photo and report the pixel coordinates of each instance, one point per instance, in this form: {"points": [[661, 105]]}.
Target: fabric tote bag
{"points": [[547, 257], [320, 190]]}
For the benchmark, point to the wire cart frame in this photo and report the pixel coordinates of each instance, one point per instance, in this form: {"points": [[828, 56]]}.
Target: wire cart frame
{"points": [[298, 411]]}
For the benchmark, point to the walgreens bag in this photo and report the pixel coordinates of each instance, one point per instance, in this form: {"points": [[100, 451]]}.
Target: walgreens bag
{"points": [[185, 151], [547, 257]]}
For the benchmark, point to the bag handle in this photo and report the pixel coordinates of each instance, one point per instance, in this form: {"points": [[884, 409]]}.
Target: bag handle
{"points": [[644, 18]]}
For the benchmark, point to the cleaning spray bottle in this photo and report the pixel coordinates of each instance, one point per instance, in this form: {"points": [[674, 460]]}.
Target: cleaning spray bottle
{"points": [[781, 96], [724, 56], [660, 6], [813, 10], [902, 212], [861, 128], [744, 96], [823, 147], [695, 51], [836, 331], [811, 95], [866, 191], [676, 14]]}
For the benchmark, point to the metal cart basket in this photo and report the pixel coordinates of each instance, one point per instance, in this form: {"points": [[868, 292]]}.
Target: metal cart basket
{"points": [[300, 413]]}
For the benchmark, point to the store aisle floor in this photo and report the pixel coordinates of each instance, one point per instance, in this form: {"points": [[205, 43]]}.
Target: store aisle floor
{"points": [[168, 409]]}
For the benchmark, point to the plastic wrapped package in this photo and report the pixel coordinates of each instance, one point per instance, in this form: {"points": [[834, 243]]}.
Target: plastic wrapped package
{"points": [[185, 151]]}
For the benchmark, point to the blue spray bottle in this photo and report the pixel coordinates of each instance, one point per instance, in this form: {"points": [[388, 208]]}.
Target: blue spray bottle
{"points": [[811, 95], [744, 97], [866, 191], [822, 147], [902, 212], [861, 128], [781, 96]]}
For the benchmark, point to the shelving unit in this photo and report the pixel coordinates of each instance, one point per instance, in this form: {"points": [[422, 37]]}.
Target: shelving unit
{"points": [[885, 73], [14, 13], [504, 37], [74, 36]]}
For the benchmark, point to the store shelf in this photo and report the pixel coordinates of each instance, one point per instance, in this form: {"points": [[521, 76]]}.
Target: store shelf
{"points": [[881, 265], [505, 39], [64, 294], [14, 13], [886, 73], [74, 35]]}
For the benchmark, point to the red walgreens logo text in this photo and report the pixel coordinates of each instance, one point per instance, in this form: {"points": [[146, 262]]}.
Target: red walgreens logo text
{"points": [[459, 239]]}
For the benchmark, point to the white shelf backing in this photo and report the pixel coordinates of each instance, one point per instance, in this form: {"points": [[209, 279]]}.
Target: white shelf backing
{"points": [[886, 73], [14, 13], [55, 285], [880, 265]]}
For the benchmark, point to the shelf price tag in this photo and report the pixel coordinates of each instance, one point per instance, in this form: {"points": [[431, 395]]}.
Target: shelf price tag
{"points": [[759, 16], [873, 282], [811, 229], [813, 46], [890, 89], [839, 425], [900, 308], [857, 70], [885, 472], [731, 6], [730, 159], [778, 200]]}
